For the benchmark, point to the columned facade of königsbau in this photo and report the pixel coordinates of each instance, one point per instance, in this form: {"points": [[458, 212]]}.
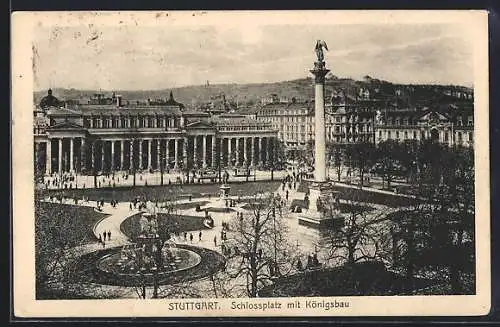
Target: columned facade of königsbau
{"points": [[104, 138]]}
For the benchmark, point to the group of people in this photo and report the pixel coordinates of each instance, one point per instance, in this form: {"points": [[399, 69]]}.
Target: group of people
{"points": [[102, 240], [64, 181], [312, 262], [191, 236]]}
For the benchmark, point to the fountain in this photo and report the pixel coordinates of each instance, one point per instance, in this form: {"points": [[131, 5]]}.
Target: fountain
{"points": [[150, 257]]}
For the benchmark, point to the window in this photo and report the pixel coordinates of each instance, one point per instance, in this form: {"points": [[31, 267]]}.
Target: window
{"points": [[459, 137], [470, 137], [406, 135], [446, 137], [414, 134], [397, 135], [380, 134]]}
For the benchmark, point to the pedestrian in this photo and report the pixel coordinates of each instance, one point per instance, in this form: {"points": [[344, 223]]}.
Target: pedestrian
{"points": [[191, 237], [215, 240], [199, 235], [130, 206], [286, 195], [104, 236], [185, 236], [109, 235]]}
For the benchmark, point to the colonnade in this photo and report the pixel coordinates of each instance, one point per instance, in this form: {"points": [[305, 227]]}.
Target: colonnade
{"points": [[78, 154]]}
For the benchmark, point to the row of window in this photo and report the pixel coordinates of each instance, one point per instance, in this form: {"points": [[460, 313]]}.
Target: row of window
{"points": [[243, 128], [422, 135], [408, 122], [131, 122]]}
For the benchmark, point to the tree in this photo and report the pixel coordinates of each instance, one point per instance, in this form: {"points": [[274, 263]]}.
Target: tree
{"points": [[60, 239], [361, 155], [408, 157], [336, 154], [363, 235], [437, 228], [387, 154], [261, 249]]}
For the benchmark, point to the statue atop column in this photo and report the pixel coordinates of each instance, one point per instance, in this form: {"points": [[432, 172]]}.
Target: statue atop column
{"points": [[320, 45]]}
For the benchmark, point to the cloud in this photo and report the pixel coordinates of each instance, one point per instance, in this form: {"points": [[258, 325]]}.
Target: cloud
{"points": [[134, 57]]}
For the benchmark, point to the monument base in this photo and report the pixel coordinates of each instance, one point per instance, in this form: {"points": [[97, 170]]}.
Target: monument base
{"points": [[322, 211]]}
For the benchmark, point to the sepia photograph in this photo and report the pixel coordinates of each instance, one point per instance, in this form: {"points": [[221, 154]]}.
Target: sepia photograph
{"points": [[250, 163]]}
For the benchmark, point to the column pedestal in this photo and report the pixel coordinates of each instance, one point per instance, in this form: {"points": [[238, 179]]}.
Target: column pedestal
{"points": [[229, 164], [122, 149], [158, 154], [204, 151], [131, 155], [59, 152], [71, 155], [83, 156], [176, 153], [185, 153], [214, 151], [113, 156], [167, 154], [140, 154], [150, 147], [195, 152], [237, 146], [48, 158], [322, 211]]}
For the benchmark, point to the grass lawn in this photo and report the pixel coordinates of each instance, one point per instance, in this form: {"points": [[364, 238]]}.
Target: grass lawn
{"points": [[80, 219], [165, 192], [180, 223]]}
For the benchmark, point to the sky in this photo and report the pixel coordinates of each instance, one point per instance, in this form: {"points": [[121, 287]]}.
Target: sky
{"points": [[153, 57]]}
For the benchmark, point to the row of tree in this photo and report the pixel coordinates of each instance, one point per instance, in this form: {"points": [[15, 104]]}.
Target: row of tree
{"points": [[410, 159]]}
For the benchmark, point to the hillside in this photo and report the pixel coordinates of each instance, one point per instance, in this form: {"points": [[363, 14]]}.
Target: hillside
{"points": [[301, 89]]}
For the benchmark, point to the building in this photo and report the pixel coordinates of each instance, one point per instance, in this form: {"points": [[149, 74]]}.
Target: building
{"points": [[448, 125], [344, 122], [105, 137], [364, 118]]}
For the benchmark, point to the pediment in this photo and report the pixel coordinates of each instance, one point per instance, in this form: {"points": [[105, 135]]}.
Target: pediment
{"points": [[199, 125], [67, 125], [433, 117]]}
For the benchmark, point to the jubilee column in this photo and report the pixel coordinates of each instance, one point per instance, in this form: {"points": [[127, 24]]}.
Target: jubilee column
{"points": [[320, 190], [319, 73]]}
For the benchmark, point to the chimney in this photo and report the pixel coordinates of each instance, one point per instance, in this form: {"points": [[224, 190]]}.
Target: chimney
{"points": [[118, 100]]}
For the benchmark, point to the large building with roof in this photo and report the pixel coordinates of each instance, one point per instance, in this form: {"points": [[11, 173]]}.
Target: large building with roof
{"points": [[344, 122], [363, 118], [449, 125], [115, 135]]}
